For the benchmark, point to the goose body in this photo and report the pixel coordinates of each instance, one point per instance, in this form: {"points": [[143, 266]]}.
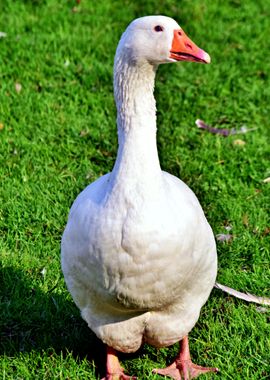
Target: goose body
{"points": [[138, 254]]}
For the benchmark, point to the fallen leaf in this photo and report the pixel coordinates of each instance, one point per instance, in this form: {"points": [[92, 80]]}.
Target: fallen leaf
{"points": [[245, 220], [266, 180], [3, 34], [43, 272], [266, 231], [239, 142], [67, 63], [18, 87], [224, 238], [222, 131], [243, 296], [83, 133], [262, 309], [256, 230]]}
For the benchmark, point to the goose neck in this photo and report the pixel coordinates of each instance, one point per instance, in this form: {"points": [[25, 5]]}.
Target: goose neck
{"points": [[134, 94], [137, 157]]}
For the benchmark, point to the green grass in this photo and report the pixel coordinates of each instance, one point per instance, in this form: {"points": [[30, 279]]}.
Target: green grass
{"points": [[59, 134]]}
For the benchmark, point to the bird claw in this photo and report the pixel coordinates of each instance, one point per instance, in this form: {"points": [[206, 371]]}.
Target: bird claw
{"points": [[182, 367], [186, 368]]}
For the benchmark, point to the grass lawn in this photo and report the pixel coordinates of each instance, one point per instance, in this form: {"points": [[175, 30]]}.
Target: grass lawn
{"points": [[58, 133]]}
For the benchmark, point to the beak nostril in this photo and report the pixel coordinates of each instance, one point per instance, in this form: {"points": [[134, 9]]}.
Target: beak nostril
{"points": [[189, 46]]}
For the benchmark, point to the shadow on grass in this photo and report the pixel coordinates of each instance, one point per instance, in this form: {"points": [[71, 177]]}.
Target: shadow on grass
{"points": [[31, 320]]}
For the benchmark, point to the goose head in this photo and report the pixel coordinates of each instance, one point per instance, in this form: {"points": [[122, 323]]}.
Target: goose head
{"points": [[157, 40]]}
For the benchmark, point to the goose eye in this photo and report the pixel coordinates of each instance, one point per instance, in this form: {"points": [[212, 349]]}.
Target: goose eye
{"points": [[158, 28]]}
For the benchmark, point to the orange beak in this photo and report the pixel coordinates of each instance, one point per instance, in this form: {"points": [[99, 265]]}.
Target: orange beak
{"points": [[183, 49]]}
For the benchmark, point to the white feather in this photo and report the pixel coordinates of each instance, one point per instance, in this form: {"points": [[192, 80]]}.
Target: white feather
{"points": [[138, 255]]}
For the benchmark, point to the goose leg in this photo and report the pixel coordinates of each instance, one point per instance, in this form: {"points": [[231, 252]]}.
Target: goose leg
{"points": [[182, 367], [113, 369]]}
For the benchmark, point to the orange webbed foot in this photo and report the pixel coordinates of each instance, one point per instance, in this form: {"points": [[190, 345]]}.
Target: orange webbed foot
{"points": [[183, 368], [114, 370]]}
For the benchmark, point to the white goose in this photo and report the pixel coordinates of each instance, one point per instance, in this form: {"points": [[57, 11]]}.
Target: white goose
{"points": [[138, 255]]}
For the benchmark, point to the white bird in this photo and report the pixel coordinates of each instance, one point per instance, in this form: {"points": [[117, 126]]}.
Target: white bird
{"points": [[138, 255]]}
